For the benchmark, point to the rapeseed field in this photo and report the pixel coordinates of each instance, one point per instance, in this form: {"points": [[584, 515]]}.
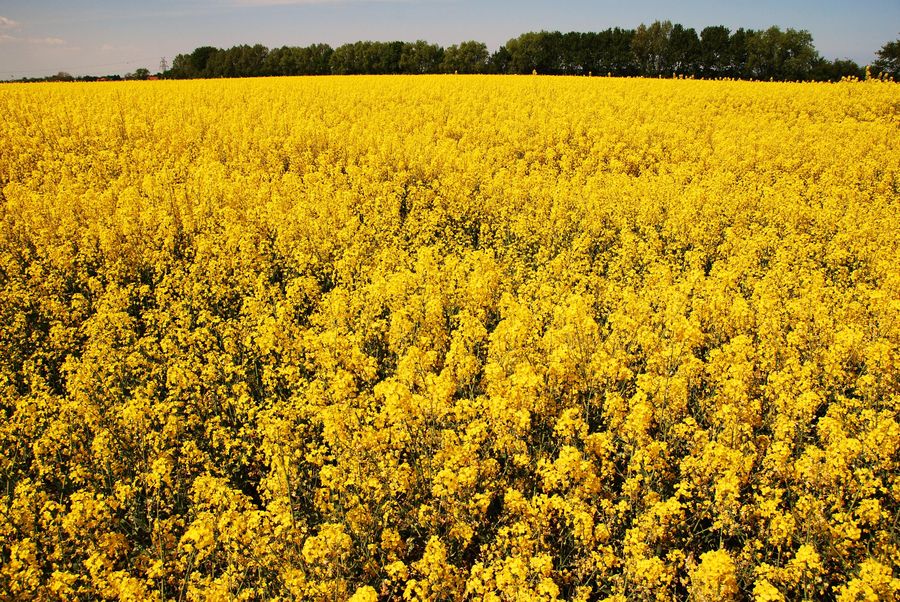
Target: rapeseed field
{"points": [[450, 337]]}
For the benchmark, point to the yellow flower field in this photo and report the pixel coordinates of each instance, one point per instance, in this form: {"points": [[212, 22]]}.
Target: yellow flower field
{"points": [[448, 337]]}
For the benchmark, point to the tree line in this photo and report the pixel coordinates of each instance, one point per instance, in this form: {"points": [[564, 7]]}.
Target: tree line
{"points": [[659, 49]]}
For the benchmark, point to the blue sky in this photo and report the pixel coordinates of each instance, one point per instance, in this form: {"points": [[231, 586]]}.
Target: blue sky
{"points": [[41, 37]]}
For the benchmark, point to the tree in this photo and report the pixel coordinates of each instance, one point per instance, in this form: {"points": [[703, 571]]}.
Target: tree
{"points": [[386, 57], [298, 60], [281, 61], [467, 57], [420, 57], [825, 70], [367, 57], [888, 59], [315, 59], [738, 52], [684, 50], [617, 57], [180, 67], [798, 54], [572, 52], [535, 51], [598, 53], [714, 51], [237, 61], [193, 64], [199, 59], [590, 52], [500, 61], [249, 60], [650, 46], [346, 59], [782, 55]]}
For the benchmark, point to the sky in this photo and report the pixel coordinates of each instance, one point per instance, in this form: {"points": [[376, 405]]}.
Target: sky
{"points": [[43, 37]]}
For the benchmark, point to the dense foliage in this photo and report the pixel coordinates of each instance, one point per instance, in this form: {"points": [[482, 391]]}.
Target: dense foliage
{"points": [[888, 59], [660, 49], [448, 337]]}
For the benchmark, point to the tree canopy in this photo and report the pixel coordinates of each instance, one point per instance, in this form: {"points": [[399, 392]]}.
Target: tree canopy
{"points": [[888, 61], [661, 48]]}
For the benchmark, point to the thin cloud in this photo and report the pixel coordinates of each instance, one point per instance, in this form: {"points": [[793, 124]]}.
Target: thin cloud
{"points": [[46, 41], [6, 23], [106, 47], [4, 38]]}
